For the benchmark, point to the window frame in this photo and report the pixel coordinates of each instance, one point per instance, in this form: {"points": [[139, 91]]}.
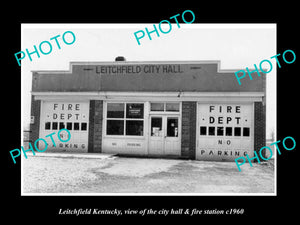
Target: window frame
{"points": [[48, 125], [224, 132], [165, 108], [240, 132], [243, 132], [124, 119]]}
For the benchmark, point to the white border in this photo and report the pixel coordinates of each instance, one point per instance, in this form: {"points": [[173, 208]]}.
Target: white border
{"points": [[138, 25]]}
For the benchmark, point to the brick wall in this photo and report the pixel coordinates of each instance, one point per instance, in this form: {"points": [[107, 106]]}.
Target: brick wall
{"points": [[259, 127], [95, 126], [188, 131], [35, 127]]}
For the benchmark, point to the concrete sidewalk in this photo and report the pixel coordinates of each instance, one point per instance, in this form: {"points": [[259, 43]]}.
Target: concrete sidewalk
{"points": [[75, 155]]}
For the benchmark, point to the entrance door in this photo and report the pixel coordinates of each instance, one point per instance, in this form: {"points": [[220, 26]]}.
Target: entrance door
{"points": [[164, 135]]}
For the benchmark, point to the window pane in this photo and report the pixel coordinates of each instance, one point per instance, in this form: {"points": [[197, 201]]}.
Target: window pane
{"points": [[237, 131], [157, 106], [54, 125], [61, 125], [228, 131], [220, 131], [202, 130], [83, 126], [156, 126], [172, 127], [134, 127], [211, 131], [115, 127], [115, 110], [172, 107], [246, 131], [134, 110], [76, 126], [47, 125], [69, 126]]}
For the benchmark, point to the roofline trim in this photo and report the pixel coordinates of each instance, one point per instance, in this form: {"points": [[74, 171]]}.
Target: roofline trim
{"points": [[95, 63]]}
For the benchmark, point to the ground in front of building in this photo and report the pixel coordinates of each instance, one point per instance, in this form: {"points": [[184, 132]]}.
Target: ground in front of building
{"points": [[111, 174]]}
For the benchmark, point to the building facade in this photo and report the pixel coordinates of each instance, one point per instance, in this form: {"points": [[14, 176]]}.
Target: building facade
{"points": [[181, 109]]}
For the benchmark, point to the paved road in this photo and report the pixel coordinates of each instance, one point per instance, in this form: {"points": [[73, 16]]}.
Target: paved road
{"points": [[142, 175]]}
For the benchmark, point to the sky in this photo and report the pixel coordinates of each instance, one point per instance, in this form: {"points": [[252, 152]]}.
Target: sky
{"points": [[236, 46]]}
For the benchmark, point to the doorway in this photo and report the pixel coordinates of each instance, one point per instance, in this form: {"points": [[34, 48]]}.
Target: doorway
{"points": [[164, 135]]}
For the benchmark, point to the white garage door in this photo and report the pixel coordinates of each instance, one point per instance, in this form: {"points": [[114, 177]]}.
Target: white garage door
{"points": [[224, 131], [73, 116]]}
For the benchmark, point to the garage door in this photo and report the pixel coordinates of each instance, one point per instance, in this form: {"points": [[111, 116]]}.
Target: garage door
{"points": [[224, 131], [73, 116]]}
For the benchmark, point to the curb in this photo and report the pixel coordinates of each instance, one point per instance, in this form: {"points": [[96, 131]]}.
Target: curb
{"points": [[76, 155]]}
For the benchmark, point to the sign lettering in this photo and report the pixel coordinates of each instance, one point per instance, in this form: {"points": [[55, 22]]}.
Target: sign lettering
{"points": [[225, 131], [221, 152], [64, 111], [137, 69]]}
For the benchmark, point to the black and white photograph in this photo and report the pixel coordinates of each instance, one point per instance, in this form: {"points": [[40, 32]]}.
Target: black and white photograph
{"points": [[150, 111], [168, 115]]}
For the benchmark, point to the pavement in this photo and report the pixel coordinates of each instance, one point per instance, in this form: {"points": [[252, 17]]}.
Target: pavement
{"points": [[94, 173]]}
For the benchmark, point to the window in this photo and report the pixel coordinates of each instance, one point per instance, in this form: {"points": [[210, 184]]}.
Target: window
{"points": [[172, 107], [202, 130], [246, 131], [125, 119], [47, 125], [211, 131], [157, 107], [69, 126], [76, 126], [156, 126], [134, 127], [172, 127], [237, 131], [115, 127], [115, 110], [54, 125], [83, 126], [220, 131], [135, 111], [165, 107], [228, 131], [61, 125]]}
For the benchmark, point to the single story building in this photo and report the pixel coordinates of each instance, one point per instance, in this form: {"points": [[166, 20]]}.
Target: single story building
{"points": [[184, 109]]}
